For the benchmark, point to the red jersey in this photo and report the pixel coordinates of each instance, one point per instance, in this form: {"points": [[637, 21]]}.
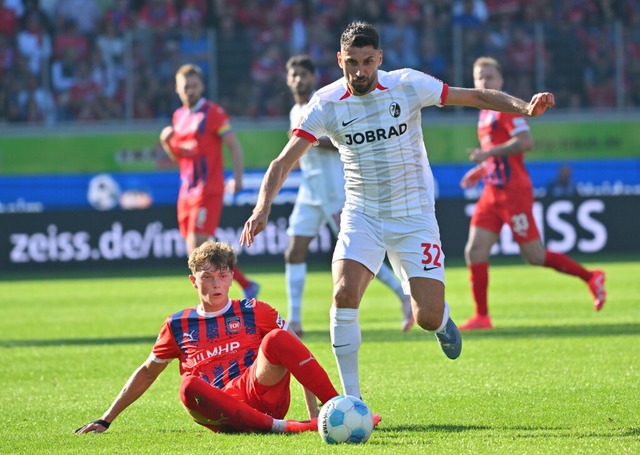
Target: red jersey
{"points": [[217, 347], [197, 144], [495, 128]]}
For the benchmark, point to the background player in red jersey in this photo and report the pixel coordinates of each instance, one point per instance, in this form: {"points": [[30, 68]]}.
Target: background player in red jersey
{"points": [[236, 358], [195, 140], [507, 198]]}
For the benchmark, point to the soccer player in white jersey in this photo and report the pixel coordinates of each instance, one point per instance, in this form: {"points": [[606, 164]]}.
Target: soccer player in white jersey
{"points": [[320, 200], [374, 118]]}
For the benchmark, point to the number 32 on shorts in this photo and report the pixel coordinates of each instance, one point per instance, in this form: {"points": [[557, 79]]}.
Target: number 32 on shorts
{"points": [[432, 256]]}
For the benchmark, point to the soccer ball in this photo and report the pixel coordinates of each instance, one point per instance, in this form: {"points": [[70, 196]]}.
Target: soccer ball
{"points": [[345, 419], [103, 192]]}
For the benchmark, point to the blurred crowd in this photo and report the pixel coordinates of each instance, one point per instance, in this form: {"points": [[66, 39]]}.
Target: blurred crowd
{"points": [[86, 60]]}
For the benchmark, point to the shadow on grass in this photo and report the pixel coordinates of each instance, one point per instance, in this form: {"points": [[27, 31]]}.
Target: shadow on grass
{"points": [[560, 331], [317, 336], [76, 342]]}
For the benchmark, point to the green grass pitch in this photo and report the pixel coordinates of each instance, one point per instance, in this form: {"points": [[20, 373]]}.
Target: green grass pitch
{"points": [[552, 377]]}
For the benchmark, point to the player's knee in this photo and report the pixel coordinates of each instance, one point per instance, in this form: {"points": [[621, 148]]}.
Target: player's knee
{"points": [[295, 254], [275, 342], [534, 259], [346, 297], [474, 253], [188, 388], [294, 257]]}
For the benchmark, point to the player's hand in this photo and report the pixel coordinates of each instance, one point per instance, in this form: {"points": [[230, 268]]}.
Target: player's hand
{"points": [[254, 225], [230, 187], [539, 103], [97, 426], [472, 177], [166, 133], [477, 155], [233, 186]]}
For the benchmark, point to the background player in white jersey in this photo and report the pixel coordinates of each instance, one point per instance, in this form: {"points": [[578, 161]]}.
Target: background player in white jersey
{"points": [[374, 118], [320, 200]]}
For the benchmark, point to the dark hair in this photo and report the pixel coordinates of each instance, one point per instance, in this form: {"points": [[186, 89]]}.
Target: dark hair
{"points": [[360, 34], [302, 60]]}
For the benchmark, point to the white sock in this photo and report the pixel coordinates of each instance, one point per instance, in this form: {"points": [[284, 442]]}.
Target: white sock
{"points": [[445, 317], [278, 426], [295, 275], [345, 341], [386, 275]]}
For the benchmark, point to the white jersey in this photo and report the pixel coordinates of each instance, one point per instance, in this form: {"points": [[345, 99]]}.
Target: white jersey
{"points": [[379, 137], [321, 169]]}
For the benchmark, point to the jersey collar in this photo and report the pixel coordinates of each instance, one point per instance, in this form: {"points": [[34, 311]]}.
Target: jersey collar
{"points": [[198, 105], [212, 314]]}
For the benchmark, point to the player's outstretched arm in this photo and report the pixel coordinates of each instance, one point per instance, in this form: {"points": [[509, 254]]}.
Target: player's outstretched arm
{"points": [[496, 100], [138, 383], [273, 180]]}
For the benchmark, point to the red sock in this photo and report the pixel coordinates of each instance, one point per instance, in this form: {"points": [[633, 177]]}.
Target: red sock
{"points": [[240, 278], [282, 348], [564, 264], [479, 277], [218, 411]]}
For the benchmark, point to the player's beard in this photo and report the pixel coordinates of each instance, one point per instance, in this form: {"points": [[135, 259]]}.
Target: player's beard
{"points": [[304, 92], [361, 86]]}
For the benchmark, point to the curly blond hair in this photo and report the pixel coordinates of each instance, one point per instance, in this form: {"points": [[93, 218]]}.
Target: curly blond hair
{"points": [[221, 255]]}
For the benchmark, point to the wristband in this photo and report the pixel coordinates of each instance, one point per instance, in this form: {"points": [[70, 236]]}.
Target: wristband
{"points": [[104, 423]]}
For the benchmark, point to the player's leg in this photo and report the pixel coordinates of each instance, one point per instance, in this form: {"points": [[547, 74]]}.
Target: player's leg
{"points": [[476, 255], [415, 253], [232, 410], [304, 224], [535, 254], [295, 276], [350, 280], [357, 256], [281, 352], [219, 411], [386, 275], [526, 233]]}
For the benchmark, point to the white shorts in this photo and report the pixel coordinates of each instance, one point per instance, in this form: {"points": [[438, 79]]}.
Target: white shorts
{"points": [[412, 244], [306, 220]]}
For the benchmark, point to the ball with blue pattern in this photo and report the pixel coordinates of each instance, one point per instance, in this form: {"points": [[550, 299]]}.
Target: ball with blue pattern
{"points": [[345, 419]]}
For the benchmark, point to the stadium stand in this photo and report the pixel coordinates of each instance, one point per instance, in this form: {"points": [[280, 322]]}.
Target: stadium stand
{"points": [[92, 60]]}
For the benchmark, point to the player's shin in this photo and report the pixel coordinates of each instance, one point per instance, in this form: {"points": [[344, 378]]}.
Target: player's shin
{"points": [[345, 341]]}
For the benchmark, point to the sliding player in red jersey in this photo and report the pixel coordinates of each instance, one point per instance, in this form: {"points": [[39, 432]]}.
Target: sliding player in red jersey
{"points": [[199, 130], [507, 198], [236, 358]]}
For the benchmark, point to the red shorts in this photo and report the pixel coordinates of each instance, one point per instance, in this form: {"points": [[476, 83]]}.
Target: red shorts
{"points": [[199, 214], [514, 207], [272, 400]]}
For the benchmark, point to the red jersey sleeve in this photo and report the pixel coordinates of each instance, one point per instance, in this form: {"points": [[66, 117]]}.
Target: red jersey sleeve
{"points": [[218, 122], [268, 318], [512, 123], [165, 347]]}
